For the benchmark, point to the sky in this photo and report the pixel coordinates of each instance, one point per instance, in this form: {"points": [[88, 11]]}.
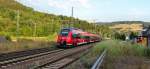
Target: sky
{"points": [[95, 10]]}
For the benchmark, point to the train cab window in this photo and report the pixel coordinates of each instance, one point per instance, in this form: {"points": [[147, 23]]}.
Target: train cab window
{"points": [[76, 36], [64, 32], [87, 37]]}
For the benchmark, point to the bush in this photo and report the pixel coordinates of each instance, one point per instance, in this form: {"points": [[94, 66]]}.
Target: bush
{"points": [[8, 37], [120, 36]]}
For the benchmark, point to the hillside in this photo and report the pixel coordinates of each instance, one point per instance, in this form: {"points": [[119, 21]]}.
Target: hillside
{"points": [[145, 24], [19, 20], [125, 26], [27, 19], [13, 5]]}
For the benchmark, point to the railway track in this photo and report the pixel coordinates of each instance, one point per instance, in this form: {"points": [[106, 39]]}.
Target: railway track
{"points": [[99, 61], [62, 63], [13, 55], [21, 59], [42, 59]]}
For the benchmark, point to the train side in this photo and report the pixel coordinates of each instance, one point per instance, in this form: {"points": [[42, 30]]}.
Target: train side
{"points": [[72, 37]]}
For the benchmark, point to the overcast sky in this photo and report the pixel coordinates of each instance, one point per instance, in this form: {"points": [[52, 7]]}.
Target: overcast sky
{"points": [[98, 10]]}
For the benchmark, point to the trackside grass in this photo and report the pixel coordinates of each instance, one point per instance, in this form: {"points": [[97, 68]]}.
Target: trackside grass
{"points": [[27, 43], [120, 48], [24, 44], [120, 55]]}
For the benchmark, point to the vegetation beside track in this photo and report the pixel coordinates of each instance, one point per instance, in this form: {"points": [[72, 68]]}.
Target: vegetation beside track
{"points": [[17, 19], [24, 44], [119, 54]]}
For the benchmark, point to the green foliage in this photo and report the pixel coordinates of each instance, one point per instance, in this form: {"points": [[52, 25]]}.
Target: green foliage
{"points": [[33, 23], [38, 24], [8, 37], [120, 36], [133, 35], [120, 48], [122, 53], [115, 50]]}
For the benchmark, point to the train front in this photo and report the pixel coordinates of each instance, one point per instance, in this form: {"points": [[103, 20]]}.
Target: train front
{"points": [[64, 38]]}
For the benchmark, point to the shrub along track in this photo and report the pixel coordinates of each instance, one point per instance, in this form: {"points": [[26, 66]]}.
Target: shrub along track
{"points": [[42, 59]]}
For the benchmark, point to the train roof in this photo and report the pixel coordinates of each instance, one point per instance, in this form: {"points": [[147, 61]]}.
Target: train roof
{"points": [[82, 32]]}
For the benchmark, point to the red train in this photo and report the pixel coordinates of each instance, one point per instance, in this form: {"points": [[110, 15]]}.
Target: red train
{"points": [[72, 37]]}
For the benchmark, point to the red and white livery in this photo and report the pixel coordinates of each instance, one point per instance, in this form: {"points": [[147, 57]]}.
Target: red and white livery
{"points": [[72, 37]]}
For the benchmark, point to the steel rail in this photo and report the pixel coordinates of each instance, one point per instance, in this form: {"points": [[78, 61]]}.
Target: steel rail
{"points": [[64, 62], [99, 61], [42, 60], [4, 63]]}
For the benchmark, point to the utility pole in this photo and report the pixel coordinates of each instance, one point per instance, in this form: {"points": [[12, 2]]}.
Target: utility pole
{"points": [[94, 24], [72, 10], [52, 26], [34, 29], [18, 19]]}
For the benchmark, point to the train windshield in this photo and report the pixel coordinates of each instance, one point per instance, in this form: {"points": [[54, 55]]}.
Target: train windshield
{"points": [[64, 32]]}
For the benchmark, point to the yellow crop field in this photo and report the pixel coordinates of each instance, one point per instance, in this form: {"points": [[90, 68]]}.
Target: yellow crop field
{"points": [[128, 27]]}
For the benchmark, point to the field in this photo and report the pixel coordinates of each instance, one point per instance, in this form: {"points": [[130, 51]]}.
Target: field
{"points": [[120, 55], [127, 27]]}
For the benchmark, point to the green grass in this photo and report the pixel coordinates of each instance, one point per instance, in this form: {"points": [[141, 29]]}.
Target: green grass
{"points": [[118, 53], [122, 54], [119, 48]]}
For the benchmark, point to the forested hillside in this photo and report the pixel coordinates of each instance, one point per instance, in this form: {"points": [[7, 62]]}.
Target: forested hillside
{"points": [[19, 20]]}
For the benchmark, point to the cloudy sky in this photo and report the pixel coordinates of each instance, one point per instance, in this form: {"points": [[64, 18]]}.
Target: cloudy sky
{"points": [[98, 10]]}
